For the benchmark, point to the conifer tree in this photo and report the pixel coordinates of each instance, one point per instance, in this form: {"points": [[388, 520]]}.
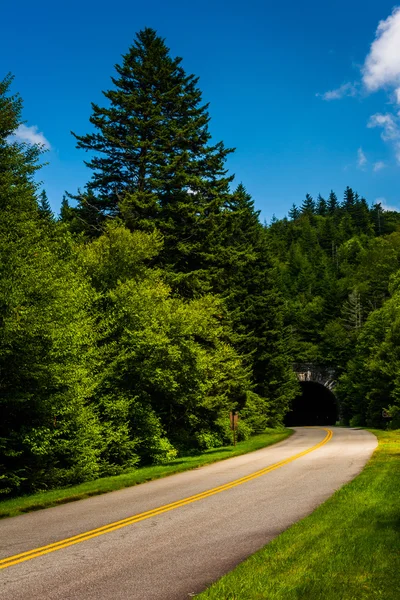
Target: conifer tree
{"points": [[65, 209], [153, 157], [332, 203], [361, 216], [48, 435], [18, 161], [321, 206], [44, 207], [249, 283], [349, 200], [377, 218], [294, 212], [308, 206]]}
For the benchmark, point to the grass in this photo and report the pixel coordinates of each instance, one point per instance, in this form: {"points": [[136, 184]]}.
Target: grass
{"points": [[347, 549], [23, 504]]}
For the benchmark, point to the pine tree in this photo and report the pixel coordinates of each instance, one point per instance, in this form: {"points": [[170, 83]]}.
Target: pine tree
{"points": [[361, 216], [234, 251], [332, 203], [349, 200], [152, 144], [19, 161], [294, 213], [44, 207], [321, 206], [47, 431], [377, 218], [249, 283], [65, 209], [308, 206]]}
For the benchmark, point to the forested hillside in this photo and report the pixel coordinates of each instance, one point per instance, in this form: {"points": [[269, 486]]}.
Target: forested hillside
{"points": [[339, 263], [157, 302]]}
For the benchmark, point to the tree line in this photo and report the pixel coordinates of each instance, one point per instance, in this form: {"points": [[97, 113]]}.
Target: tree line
{"points": [[157, 302], [339, 262]]}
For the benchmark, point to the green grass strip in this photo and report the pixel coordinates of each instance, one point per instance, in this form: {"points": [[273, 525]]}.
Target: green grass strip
{"points": [[23, 504], [347, 549]]}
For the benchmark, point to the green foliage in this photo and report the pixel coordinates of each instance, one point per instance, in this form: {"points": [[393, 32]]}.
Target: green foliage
{"points": [[48, 435], [158, 302], [130, 327], [14, 506], [338, 267], [169, 359], [152, 144], [371, 382], [44, 207]]}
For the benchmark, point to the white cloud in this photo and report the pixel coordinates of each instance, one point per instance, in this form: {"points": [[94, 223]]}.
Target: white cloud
{"points": [[382, 64], [381, 70], [378, 166], [361, 158], [390, 125], [31, 135], [381, 67], [346, 89]]}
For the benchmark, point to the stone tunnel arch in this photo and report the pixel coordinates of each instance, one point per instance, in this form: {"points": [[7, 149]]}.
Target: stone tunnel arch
{"points": [[317, 403]]}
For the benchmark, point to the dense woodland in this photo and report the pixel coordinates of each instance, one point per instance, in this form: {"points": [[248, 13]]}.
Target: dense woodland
{"points": [[157, 302]]}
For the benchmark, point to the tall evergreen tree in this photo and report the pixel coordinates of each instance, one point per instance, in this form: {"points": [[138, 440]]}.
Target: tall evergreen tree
{"points": [[65, 209], [44, 207], [48, 435], [18, 161], [332, 203], [308, 206], [349, 200], [294, 212], [361, 216], [152, 144], [377, 218], [321, 206], [250, 284]]}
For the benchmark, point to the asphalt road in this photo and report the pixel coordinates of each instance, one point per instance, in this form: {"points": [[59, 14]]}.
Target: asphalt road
{"points": [[175, 552]]}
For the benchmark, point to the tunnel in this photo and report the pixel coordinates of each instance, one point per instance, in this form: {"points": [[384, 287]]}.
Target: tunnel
{"points": [[316, 405]]}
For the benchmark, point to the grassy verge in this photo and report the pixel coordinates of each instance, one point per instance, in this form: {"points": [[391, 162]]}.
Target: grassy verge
{"points": [[23, 504], [348, 549]]}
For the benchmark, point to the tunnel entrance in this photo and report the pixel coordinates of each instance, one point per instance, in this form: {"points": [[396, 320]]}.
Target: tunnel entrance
{"points": [[315, 406]]}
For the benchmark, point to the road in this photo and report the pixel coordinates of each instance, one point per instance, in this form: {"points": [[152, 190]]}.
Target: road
{"points": [[176, 537]]}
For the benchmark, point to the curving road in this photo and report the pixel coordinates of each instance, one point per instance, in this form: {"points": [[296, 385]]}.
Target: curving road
{"points": [[169, 539]]}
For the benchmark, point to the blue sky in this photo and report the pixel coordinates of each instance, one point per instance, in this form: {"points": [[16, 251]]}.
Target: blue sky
{"points": [[264, 66]]}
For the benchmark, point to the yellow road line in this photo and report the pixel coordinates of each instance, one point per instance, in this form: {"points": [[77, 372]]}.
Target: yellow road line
{"points": [[88, 535]]}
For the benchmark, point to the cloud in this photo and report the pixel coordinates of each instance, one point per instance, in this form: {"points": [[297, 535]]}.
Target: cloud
{"points": [[381, 68], [380, 71], [378, 166], [345, 90], [390, 128], [30, 135], [382, 64], [361, 159], [390, 125]]}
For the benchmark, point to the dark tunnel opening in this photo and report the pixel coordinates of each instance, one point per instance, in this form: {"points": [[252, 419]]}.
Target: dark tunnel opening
{"points": [[315, 406]]}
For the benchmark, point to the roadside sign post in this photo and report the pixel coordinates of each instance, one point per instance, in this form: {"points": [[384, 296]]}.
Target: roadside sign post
{"points": [[234, 417]]}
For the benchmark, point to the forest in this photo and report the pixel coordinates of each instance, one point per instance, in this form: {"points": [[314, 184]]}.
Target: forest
{"points": [[157, 301]]}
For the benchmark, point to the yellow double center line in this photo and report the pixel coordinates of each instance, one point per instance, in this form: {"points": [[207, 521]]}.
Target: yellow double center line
{"points": [[88, 535]]}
